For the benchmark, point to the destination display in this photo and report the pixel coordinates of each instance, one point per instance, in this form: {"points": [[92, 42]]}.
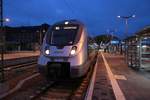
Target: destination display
{"points": [[66, 28]]}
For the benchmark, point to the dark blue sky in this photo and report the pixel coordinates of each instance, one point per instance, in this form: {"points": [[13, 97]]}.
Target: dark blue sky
{"points": [[98, 15]]}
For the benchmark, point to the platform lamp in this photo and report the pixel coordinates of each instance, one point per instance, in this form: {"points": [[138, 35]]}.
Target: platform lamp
{"points": [[2, 40], [126, 18], [2, 45]]}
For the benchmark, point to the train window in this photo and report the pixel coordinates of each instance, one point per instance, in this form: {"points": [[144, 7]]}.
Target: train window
{"points": [[63, 36]]}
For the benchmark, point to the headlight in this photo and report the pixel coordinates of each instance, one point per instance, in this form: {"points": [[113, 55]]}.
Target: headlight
{"points": [[73, 50], [47, 52]]}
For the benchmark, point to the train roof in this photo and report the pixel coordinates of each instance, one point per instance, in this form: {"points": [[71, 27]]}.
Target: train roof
{"points": [[67, 22]]}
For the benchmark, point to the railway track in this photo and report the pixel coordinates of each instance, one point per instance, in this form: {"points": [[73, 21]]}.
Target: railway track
{"points": [[19, 66], [57, 90], [15, 71], [17, 61], [70, 89], [60, 90]]}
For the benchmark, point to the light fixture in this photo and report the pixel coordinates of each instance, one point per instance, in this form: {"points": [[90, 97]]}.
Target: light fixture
{"points": [[44, 31], [47, 52], [57, 28], [138, 46], [144, 46], [133, 16], [7, 19], [73, 50], [145, 38], [119, 16], [66, 23]]}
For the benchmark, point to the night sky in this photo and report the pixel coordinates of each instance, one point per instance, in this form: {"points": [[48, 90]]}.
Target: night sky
{"points": [[98, 15]]}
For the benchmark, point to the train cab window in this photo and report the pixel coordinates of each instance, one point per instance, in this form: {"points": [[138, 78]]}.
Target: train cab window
{"points": [[63, 36]]}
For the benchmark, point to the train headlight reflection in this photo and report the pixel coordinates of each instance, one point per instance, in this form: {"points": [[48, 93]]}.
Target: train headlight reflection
{"points": [[47, 52], [73, 50]]}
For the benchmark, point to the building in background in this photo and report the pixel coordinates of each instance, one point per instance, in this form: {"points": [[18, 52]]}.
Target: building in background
{"points": [[24, 37]]}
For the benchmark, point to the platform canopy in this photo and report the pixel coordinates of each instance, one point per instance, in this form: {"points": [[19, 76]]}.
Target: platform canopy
{"points": [[144, 32]]}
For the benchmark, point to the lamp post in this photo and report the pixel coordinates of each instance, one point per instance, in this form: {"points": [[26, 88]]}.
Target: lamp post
{"points": [[2, 44], [111, 32], [126, 18], [2, 40], [41, 35]]}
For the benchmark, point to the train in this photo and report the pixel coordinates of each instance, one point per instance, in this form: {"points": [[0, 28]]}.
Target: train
{"points": [[64, 52]]}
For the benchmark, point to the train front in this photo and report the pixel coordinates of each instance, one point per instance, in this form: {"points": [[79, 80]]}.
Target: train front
{"points": [[64, 51]]}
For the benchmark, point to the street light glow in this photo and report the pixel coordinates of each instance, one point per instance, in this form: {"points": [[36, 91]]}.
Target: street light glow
{"points": [[118, 16], [7, 20], [133, 16], [44, 31], [66, 23], [126, 17]]}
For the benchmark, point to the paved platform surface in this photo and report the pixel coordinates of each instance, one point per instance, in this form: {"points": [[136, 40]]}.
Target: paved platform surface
{"points": [[14, 55], [102, 87], [134, 85]]}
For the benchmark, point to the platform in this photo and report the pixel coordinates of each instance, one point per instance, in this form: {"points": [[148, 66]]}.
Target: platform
{"points": [[115, 80], [21, 54]]}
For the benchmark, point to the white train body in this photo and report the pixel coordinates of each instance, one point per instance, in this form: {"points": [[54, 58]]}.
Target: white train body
{"points": [[65, 50]]}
